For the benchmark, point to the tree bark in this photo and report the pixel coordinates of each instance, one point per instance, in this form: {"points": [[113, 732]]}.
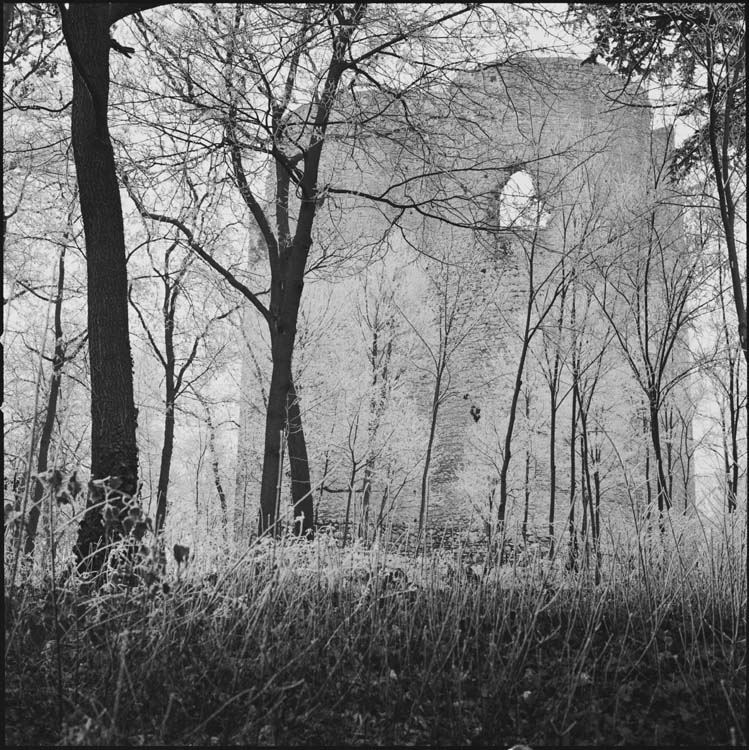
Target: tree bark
{"points": [[376, 411], [45, 438], [507, 455], [734, 399], [288, 259], [721, 164], [167, 450], [573, 546], [527, 471], [114, 450], [217, 473], [585, 483], [552, 472], [275, 422], [7, 21], [301, 486], [349, 498], [733, 394], [664, 500], [553, 407], [170, 398], [430, 442]]}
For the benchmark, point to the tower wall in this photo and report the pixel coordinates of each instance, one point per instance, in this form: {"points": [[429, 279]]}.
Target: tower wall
{"points": [[430, 187]]}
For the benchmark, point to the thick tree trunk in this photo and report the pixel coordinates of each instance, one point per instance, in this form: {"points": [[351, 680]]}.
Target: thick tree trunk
{"points": [[7, 21], [275, 422], [301, 486], [114, 451], [288, 259]]}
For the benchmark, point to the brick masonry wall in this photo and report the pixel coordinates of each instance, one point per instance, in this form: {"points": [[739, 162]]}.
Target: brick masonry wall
{"points": [[591, 157]]}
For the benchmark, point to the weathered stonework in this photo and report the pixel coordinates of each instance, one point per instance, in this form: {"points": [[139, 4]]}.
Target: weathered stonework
{"points": [[440, 188]]}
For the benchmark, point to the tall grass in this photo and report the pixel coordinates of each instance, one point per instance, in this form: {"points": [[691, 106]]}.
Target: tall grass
{"points": [[309, 643]]}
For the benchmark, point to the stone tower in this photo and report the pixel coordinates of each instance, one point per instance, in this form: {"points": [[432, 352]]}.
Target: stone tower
{"points": [[528, 192]]}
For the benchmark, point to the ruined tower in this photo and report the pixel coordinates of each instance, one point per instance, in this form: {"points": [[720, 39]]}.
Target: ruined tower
{"points": [[526, 194]]}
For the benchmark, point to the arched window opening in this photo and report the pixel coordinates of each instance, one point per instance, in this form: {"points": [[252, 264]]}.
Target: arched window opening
{"points": [[519, 206]]}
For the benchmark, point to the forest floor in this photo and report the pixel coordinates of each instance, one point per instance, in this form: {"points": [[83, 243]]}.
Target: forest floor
{"points": [[308, 643]]}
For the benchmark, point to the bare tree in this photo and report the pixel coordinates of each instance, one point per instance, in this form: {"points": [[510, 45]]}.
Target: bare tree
{"points": [[551, 367], [275, 100], [215, 467], [114, 452], [447, 288], [377, 318], [172, 277], [541, 296], [650, 310], [704, 46], [64, 351]]}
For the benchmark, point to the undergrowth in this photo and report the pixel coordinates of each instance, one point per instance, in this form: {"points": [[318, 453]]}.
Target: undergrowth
{"points": [[306, 643]]}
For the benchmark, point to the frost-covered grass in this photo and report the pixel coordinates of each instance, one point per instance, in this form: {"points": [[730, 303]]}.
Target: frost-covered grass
{"points": [[308, 643]]}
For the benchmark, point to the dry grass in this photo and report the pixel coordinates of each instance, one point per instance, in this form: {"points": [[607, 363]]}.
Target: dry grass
{"points": [[306, 643]]}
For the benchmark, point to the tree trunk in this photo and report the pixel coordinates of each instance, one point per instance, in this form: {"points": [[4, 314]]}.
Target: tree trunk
{"points": [[527, 473], [585, 483], [325, 468], [527, 498], [45, 438], [733, 393], [719, 158], [376, 410], [432, 433], [349, 498], [275, 422], [288, 259], [670, 462], [217, 474], [167, 450], [648, 481], [366, 499], [425, 473], [301, 486], [597, 515], [664, 501], [114, 450], [552, 472], [7, 21], [507, 455], [733, 478], [573, 548]]}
